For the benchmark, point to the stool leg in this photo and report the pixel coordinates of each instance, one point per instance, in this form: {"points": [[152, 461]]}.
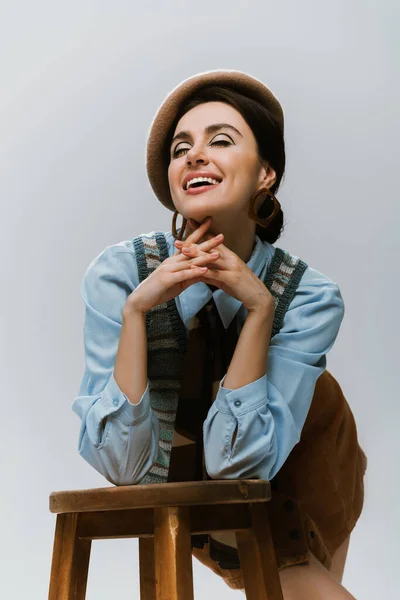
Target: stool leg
{"points": [[70, 561], [251, 566], [173, 553], [257, 557], [147, 569]]}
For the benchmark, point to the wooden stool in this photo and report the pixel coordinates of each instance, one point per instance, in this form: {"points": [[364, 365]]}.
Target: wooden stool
{"points": [[163, 517]]}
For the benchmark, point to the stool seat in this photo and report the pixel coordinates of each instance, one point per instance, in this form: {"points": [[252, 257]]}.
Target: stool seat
{"points": [[152, 495], [164, 517]]}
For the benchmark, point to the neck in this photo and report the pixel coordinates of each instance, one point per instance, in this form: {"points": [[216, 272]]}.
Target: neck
{"points": [[240, 241]]}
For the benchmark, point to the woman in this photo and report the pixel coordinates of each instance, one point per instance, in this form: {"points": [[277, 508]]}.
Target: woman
{"points": [[206, 348]]}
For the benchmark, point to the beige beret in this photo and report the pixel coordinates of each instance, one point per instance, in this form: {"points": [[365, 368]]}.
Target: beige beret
{"points": [[157, 169]]}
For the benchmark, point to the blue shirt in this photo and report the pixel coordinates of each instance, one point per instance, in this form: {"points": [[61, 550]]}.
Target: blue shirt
{"points": [[120, 439]]}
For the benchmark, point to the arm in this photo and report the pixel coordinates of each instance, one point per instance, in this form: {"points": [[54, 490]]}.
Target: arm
{"points": [[250, 431], [250, 359], [119, 431], [130, 368]]}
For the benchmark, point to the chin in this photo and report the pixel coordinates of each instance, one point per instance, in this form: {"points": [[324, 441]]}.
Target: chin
{"points": [[199, 215]]}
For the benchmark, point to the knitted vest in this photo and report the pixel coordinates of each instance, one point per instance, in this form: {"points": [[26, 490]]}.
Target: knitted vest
{"points": [[167, 336]]}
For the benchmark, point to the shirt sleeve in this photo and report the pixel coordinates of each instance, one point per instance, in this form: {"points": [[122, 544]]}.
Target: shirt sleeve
{"points": [[249, 432], [119, 439]]}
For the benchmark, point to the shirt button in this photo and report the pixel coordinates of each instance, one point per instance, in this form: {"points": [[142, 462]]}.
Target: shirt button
{"points": [[115, 402], [237, 403]]}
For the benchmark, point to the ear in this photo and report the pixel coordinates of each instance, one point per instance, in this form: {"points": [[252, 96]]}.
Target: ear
{"points": [[267, 175]]}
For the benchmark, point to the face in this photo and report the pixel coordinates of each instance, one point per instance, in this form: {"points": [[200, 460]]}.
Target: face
{"points": [[227, 154]]}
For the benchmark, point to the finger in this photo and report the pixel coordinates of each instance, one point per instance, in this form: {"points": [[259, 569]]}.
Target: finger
{"points": [[195, 250], [190, 251], [198, 233], [189, 274], [194, 253], [210, 243], [213, 276], [202, 259]]}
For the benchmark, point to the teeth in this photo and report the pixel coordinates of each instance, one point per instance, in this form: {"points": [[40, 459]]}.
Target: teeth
{"points": [[196, 179]]}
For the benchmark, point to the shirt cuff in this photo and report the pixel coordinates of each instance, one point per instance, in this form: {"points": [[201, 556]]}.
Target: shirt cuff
{"points": [[115, 399], [243, 399]]}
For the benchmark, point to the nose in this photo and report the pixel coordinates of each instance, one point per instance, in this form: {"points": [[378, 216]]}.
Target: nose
{"points": [[194, 156]]}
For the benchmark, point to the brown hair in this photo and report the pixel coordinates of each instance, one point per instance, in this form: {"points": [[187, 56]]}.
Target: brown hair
{"points": [[268, 135]]}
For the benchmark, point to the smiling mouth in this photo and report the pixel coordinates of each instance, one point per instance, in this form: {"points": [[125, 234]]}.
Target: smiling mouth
{"points": [[201, 187], [201, 181]]}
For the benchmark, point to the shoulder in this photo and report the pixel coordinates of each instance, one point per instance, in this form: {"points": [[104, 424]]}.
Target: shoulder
{"points": [[315, 313], [116, 262], [317, 289], [110, 277]]}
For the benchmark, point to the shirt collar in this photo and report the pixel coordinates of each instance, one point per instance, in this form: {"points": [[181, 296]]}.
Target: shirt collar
{"points": [[197, 295]]}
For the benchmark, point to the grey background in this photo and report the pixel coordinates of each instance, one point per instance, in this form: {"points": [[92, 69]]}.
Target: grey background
{"points": [[80, 84]]}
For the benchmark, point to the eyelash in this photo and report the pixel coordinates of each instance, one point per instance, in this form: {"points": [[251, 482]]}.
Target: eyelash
{"points": [[219, 142]]}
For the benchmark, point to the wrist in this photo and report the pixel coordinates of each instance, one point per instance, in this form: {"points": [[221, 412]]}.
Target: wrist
{"points": [[131, 309], [265, 308]]}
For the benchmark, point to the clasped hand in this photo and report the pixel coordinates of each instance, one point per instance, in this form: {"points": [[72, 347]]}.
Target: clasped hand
{"points": [[225, 269]]}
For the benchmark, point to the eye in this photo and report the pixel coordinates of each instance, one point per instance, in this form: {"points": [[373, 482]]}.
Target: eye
{"points": [[178, 151], [221, 142], [216, 142]]}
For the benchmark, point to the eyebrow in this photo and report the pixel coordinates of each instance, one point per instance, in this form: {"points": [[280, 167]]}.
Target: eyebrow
{"points": [[185, 135]]}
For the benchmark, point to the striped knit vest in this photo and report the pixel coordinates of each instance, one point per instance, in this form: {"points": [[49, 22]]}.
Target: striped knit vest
{"points": [[167, 336]]}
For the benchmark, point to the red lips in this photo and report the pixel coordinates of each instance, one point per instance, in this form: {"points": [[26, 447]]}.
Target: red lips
{"points": [[194, 174]]}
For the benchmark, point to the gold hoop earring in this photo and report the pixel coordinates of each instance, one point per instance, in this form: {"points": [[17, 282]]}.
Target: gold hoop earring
{"points": [[252, 213], [183, 226]]}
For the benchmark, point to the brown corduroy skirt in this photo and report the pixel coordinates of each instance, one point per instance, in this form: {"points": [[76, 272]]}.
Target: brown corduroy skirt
{"points": [[318, 494]]}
